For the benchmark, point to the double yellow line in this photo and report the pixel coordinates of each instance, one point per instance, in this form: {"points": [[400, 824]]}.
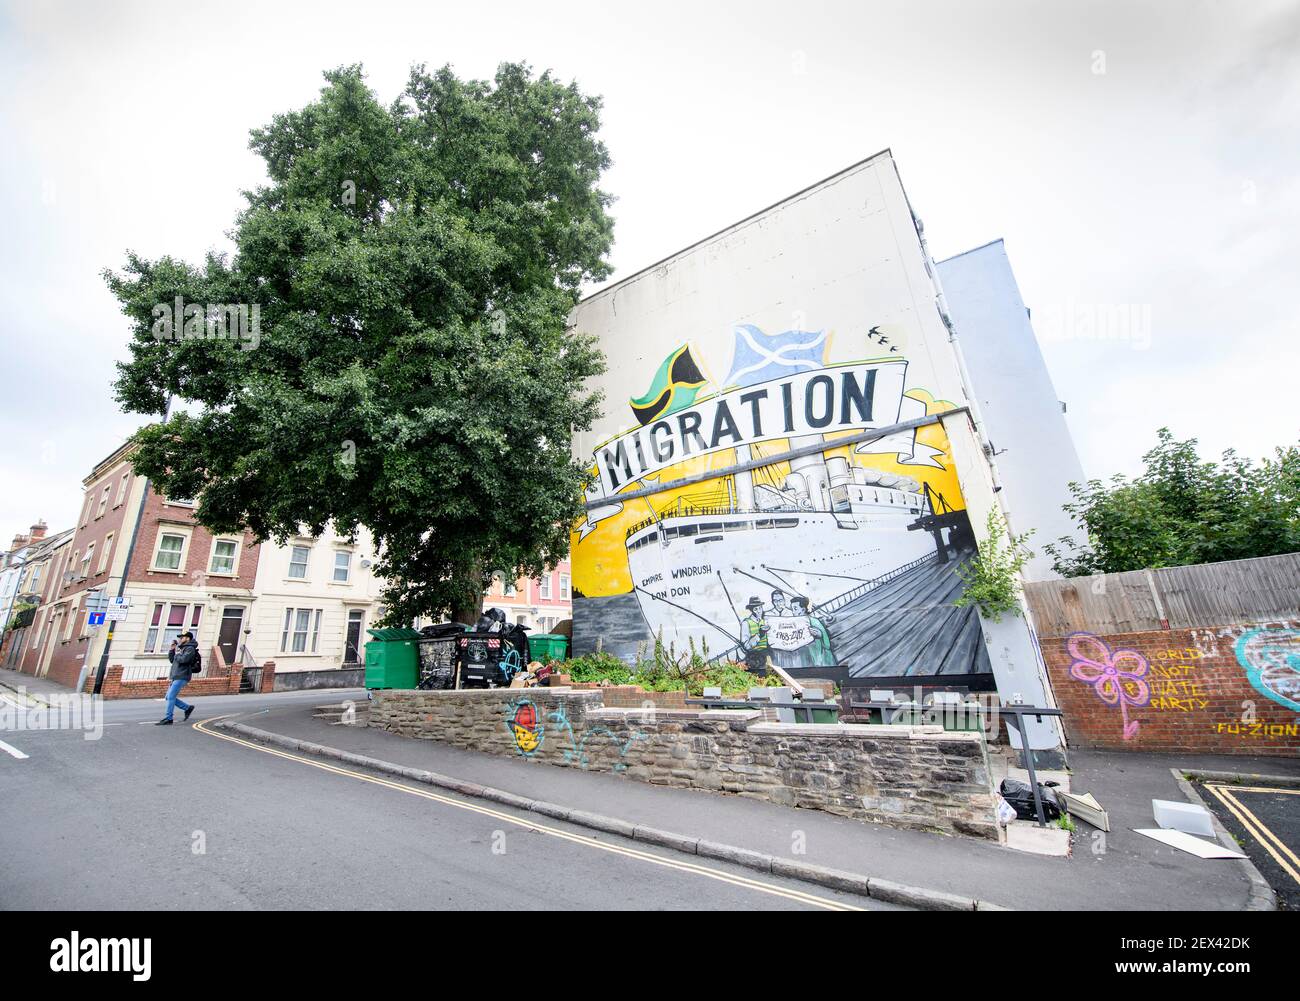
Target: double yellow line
{"points": [[1256, 828], [700, 870]]}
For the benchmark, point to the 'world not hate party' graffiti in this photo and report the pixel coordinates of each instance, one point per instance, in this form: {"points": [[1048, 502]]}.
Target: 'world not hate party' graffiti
{"points": [[1124, 678]]}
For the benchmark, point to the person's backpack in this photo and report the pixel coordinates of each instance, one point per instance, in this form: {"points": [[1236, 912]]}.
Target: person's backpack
{"points": [[189, 658]]}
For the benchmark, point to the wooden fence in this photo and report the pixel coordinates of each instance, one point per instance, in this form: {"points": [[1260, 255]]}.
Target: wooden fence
{"points": [[1208, 594]]}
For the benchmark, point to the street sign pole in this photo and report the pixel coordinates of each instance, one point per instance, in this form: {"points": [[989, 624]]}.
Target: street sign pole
{"points": [[130, 552]]}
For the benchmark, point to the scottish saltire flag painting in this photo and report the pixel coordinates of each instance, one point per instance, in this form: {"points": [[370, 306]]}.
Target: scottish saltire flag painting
{"points": [[759, 357]]}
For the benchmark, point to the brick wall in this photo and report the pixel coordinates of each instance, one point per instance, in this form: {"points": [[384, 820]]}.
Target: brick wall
{"points": [[160, 516], [225, 681], [1183, 689], [919, 778]]}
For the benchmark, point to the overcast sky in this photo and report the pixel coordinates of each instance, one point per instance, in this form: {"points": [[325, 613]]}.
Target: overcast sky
{"points": [[1140, 159]]}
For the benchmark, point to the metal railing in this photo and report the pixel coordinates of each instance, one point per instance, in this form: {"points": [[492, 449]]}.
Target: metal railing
{"points": [[146, 672]]}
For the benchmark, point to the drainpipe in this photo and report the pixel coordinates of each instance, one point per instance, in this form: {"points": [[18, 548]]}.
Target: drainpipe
{"points": [[963, 373], [986, 445]]}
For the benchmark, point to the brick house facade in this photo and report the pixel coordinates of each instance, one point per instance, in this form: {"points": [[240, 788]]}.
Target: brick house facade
{"points": [[540, 604], [180, 576]]}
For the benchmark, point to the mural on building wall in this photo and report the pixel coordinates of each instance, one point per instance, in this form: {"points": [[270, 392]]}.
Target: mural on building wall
{"points": [[1271, 660], [1118, 677], [842, 554]]}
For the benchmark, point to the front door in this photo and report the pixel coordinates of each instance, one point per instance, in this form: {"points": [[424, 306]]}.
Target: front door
{"points": [[232, 620], [352, 648]]}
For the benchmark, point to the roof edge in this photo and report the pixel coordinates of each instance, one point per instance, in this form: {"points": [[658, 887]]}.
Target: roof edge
{"points": [[613, 286]]}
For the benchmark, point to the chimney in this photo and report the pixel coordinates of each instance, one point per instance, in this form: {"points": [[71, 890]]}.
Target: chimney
{"points": [[38, 530], [20, 540]]}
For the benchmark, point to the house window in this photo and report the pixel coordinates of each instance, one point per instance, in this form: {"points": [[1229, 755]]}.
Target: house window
{"points": [[108, 551], [170, 550], [546, 586], [342, 566], [85, 515], [76, 559], [72, 619], [103, 499], [564, 586], [224, 552], [298, 562], [121, 489], [298, 632], [36, 580], [511, 590], [168, 621]]}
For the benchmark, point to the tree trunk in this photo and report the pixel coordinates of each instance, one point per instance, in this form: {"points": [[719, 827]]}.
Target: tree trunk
{"points": [[467, 613], [469, 606]]}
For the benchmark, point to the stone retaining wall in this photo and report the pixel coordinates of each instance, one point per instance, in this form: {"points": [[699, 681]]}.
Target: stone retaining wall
{"points": [[916, 777]]}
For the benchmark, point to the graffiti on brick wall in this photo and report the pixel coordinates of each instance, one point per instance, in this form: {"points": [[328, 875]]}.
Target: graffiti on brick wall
{"points": [[1174, 685], [1271, 660], [528, 731], [1117, 677], [577, 752]]}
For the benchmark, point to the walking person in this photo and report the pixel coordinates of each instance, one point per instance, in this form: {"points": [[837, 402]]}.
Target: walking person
{"points": [[185, 660]]}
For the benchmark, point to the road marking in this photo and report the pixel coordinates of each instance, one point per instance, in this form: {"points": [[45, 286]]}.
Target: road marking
{"points": [[9, 749], [1257, 829], [701, 870], [1232, 792]]}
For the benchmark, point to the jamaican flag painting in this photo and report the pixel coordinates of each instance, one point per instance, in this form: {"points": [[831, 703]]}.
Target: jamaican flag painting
{"points": [[676, 384]]}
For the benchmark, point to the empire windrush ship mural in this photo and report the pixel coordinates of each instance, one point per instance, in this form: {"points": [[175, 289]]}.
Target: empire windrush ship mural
{"points": [[738, 502]]}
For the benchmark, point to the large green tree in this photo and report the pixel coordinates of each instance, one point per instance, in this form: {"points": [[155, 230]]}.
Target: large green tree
{"points": [[414, 266], [1183, 510]]}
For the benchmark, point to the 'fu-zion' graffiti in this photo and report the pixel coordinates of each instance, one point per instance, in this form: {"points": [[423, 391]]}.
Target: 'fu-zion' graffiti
{"points": [[841, 554], [1117, 677], [1271, 660]]}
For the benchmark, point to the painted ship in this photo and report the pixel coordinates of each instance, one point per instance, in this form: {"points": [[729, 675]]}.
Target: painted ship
{"points": [[781, 551]]}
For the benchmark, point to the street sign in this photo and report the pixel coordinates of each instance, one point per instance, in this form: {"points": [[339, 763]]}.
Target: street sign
{"points": [[96, 619], [118, 609], [96, 601]]}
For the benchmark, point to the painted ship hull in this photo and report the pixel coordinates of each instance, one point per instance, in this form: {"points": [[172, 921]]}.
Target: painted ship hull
{"points": [[697, 576]]}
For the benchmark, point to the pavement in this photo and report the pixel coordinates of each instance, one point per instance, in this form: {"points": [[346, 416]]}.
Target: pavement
{"points": [[109, 823], [1116, 871], [141, 817]]}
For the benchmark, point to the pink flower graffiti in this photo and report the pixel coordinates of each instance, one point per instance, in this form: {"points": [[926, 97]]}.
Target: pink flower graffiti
{"points": [[1117, 676]]}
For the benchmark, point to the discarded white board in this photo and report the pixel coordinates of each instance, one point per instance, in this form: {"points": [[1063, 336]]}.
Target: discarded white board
{"points": [[1190, 844], [1085, 807], [1186, 817]]}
